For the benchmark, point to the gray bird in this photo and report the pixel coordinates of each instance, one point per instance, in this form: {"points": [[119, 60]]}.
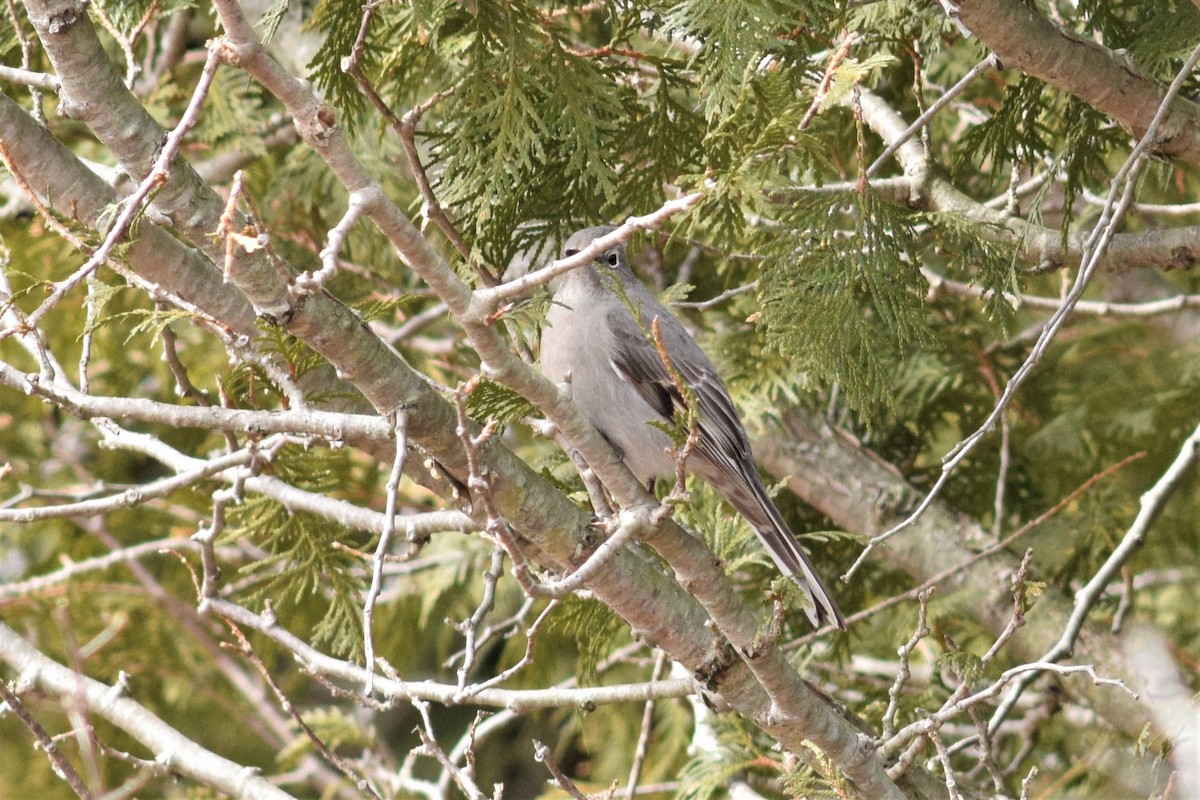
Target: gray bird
{"points": [[619, 382]]}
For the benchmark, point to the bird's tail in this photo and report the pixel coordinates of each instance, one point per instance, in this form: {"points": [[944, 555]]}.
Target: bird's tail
{"points": [[751, 500]]}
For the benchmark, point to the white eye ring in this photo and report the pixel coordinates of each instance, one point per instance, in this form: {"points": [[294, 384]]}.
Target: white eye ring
{"points": [[612, 259]]}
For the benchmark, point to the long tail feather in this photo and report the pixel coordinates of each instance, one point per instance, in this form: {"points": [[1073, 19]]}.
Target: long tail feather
{"points": [[751, 500]]}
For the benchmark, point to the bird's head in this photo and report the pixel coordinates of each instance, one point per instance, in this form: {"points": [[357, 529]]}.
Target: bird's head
{"points": [[612, 258]]}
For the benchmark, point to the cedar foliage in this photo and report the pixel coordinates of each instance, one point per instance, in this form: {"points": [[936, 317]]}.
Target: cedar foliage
{"points": [[555, 116]]}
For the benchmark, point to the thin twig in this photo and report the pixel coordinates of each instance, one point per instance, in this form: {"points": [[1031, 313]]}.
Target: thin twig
{"points": [[67, 572], [491, 298], [400, 430], [462, 778], [360, 782], [934, 721], [987, 63], [643, 742], [126, 43], [469, 627], [982, 554], [526, 659], [315, 281], [947, 770], [1125, 603], [130, 497], [888, 725], [26, 62], [405, 129], [989, 376], [1099, 308], [91, 317], [1120, 196], [542, 754], [986, 753], [62, 766], [415, 323], [705, 305], [79, 713], [1025, 784], [624, 526], [1151, 505], [835, 61]]}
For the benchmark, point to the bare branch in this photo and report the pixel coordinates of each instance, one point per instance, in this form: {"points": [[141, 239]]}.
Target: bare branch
{"points": [[1120, 196], [35, 80], [989, 62], [542, 754], [1023, 38], [43, 583], [643, 742], [319, 663], [1151, 506], [462, 778], [171, 748], [130, 497], [903, 674], [705, 305], [400, 428], [361, 783], [1099, 308], [491, 298], [526, 659], [62, 766]]}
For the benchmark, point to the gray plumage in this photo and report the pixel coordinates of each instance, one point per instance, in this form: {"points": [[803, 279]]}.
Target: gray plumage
{"points": [[619, 382]]}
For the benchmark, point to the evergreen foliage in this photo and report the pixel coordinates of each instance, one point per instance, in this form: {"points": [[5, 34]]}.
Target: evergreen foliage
{"points": [[538, 118], [844, 305]]}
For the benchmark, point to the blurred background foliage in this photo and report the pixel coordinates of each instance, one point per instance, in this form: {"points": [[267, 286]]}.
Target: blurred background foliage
{"points": [[544, 117]]}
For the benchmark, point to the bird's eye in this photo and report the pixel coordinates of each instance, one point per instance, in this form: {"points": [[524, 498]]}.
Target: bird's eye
{"points": [[612, 259], [570, 251]]}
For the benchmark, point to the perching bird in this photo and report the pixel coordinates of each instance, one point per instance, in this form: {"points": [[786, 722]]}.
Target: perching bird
{"points": [[620, 383]]}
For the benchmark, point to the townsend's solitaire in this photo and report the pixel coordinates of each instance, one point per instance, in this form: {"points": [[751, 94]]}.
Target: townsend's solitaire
{"points": [[619, 381]]}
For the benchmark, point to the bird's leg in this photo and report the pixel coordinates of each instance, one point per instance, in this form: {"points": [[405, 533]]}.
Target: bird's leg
{"points": [[594, 488]]}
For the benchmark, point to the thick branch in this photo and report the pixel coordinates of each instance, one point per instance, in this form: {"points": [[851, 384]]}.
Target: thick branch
{"points": [[862, 493], [1023, 38], [658, 610], [170, 747], [763, 687], [94, 93], [63, 182], [1173, 248]]}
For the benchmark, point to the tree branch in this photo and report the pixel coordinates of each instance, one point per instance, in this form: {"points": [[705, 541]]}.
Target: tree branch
{"points": [[170, 747], [518, 700], [1171, 248], [789, 710], [1023, 38], [863, 493]]}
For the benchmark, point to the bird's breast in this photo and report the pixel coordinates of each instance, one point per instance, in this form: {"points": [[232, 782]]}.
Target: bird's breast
{"points": [[577, 346]]}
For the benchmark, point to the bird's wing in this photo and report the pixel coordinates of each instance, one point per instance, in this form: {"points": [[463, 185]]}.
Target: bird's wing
{"points": [[723, 443], [636, 359]]}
